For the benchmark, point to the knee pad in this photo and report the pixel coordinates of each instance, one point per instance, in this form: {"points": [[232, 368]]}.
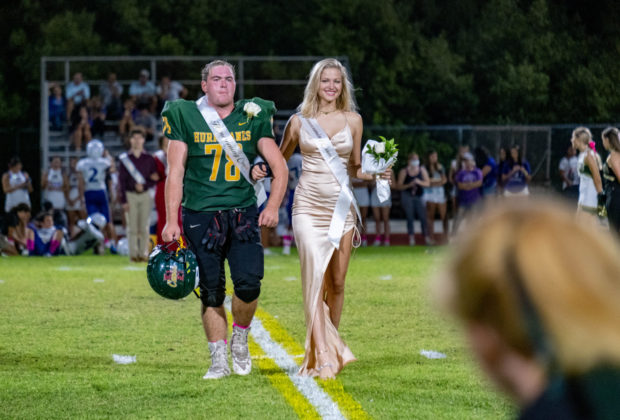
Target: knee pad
{"points": [[247, 294], [212, 300]]}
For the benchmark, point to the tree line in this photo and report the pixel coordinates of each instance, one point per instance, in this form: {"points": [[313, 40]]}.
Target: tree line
{"points": [[412, 61]]}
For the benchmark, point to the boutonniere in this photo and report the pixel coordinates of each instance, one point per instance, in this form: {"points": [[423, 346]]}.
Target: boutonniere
{"points": [[252, 110]]}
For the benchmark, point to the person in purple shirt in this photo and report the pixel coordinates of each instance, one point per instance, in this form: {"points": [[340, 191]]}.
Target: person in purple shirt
{"points": [[137, 173], [468, 182], [516, 174]]}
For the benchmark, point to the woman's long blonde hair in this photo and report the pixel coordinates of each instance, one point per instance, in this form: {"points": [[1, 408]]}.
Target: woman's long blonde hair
{"points": [[309, 108], [569, 270]]}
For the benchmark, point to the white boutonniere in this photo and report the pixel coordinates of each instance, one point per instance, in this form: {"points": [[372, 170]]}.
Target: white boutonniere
{"points": [[252, 110]]}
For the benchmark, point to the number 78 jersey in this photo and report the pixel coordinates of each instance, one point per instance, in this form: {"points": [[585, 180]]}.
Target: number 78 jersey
{"points": [[94, 172], [212, 181]]}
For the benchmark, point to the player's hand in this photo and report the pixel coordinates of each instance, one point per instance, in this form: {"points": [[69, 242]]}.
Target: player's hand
{"points": [[139, 188], [171, 232], [268, 218]]}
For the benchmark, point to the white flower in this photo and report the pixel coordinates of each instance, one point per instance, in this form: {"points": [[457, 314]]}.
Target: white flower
{"points": [[379, 148], [251, 109]]}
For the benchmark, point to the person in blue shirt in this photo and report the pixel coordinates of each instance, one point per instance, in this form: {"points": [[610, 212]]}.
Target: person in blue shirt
{"points": [[516, 174]]}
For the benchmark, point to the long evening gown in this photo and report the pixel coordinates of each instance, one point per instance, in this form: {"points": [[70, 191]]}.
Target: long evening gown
{"points": [[313, 206]]}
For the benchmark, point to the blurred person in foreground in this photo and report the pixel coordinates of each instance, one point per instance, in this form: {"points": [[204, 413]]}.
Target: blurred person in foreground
{"points": [[538, 296], [611, 177]]}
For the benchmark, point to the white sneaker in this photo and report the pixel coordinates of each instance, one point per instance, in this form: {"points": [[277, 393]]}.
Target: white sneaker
{"points": [[286, 250], [219, 361], [241, 360], [411, 240]]}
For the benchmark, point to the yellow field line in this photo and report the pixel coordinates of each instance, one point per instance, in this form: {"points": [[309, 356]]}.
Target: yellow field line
{"points": [[349, 407], [280, 381]]}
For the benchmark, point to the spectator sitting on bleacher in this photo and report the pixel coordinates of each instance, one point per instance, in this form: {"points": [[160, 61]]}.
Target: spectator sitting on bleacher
{"points": [[77, 92], [97, 113], [169, 90], [57, 108], [110, 93], [128, 121], [146, 119], [80, 127], [143, 88]]}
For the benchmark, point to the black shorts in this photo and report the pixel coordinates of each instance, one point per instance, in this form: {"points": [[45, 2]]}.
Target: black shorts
{"points": [[245, 257]]}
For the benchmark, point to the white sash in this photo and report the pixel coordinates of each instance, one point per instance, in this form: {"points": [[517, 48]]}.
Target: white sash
{"points": [[131, 168], [346, 197], [232, 150]]}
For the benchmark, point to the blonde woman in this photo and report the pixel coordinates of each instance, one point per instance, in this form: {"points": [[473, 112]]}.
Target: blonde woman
{"points": [[538, 298], [590, 184], [327, 121]]}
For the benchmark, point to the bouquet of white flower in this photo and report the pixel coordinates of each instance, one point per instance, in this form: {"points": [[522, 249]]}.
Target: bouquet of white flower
{"points": [[378, 157], [251, 110]]}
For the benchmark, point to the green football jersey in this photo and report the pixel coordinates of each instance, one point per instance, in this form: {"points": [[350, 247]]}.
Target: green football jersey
{"points": [[212, 181]]}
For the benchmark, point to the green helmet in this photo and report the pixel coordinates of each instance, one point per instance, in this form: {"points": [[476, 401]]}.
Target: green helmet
{"points": [[172, 274]]}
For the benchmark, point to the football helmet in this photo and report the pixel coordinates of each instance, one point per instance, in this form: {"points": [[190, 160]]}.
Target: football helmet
{"points": [[173, 274], [98, 220], [94, 149]]}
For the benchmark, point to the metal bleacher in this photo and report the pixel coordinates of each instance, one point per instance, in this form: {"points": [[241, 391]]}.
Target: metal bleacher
{"points": [[280, 78]]}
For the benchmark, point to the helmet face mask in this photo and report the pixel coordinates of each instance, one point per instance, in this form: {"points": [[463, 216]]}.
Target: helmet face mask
{"points": [[172, 274], [94, 149]]}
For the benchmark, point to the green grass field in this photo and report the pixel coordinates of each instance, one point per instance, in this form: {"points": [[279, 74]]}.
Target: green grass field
{"points": [[63, 318]]}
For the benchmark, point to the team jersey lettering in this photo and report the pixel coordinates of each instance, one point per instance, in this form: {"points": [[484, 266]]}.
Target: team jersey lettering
{"points": [[204, 137], [231, 172]]}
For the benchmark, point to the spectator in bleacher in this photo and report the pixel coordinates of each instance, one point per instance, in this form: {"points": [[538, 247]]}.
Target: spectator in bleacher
{"points": [[17, 222], [77, 93], [16, 185], [468, 182], [412, 180], [143, 88], [569, 172], [516, 174], [127, 122], [55, 185], [110, 93], [435, 196], [76, 208], [145, 119], [169, 90], [97, 112], [137, 173], [489, 169], [80, 127], [57, 108]]}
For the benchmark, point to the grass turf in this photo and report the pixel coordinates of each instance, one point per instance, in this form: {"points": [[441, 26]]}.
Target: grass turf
{"points": [[64, 317]]}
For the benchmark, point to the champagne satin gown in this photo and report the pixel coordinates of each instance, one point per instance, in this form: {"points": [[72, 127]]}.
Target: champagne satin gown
{"points": [[313, 206]]}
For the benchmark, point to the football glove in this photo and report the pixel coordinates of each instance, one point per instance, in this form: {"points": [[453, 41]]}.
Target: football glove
{"points": [[215, 235]]}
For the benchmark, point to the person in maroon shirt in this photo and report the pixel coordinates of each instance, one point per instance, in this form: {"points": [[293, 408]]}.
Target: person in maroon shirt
{"points": [[137, 173]]}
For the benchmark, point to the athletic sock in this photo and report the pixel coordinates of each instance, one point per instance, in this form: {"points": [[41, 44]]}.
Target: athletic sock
{"points": [[287, 240], [240, 326], [54, 244], [30, 244], [225, 341]]}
